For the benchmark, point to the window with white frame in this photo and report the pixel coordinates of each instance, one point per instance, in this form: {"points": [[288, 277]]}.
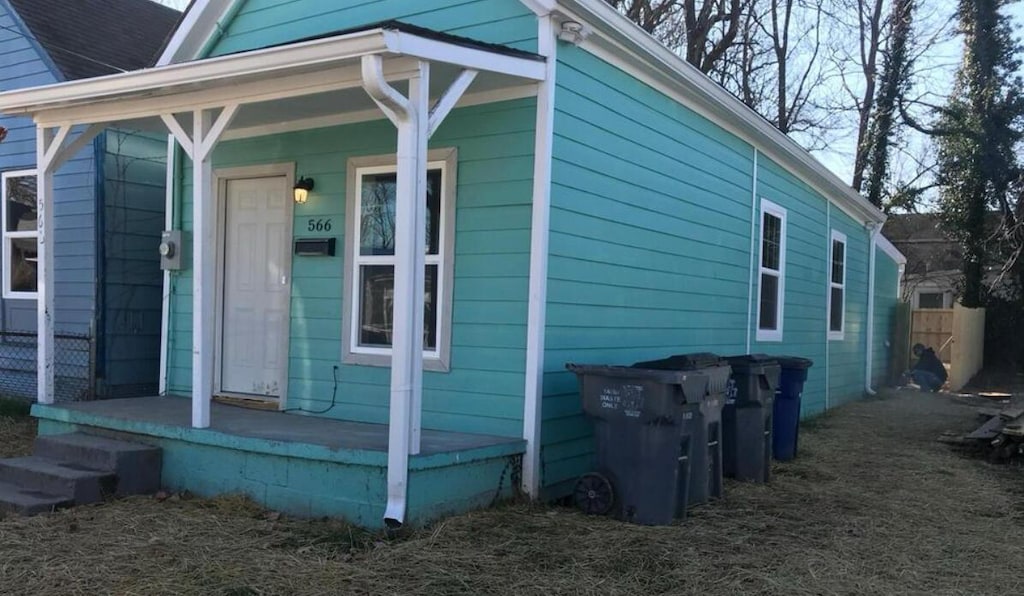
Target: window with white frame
{"points": [[771, 291], [837, 286], [370, 260], [20, 235]]}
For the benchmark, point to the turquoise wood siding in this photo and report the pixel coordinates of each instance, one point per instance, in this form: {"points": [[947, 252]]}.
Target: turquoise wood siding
{"points": [[838, 372], [887, 298], [261, 23], [483, 392], [650, 251]]}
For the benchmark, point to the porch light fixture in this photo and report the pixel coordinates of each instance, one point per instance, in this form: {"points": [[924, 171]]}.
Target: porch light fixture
{"points": [[302, 188]]}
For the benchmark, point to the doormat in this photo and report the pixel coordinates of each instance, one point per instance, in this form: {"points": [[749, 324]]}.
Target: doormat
{"points": [[246, 402]]}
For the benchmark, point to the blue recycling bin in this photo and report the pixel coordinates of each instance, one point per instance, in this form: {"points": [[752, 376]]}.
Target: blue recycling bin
{"points": [[786, 410]]}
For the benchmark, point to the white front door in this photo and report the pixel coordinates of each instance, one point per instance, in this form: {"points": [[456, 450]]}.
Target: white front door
{"points": [[255, 292]]}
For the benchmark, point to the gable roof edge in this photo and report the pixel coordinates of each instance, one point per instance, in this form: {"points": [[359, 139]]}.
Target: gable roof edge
{"points": [[890, 249], [205, 18], [201, 21], [684, 83]]}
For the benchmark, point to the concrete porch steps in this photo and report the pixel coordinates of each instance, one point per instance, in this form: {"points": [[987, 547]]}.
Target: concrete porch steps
{"points": [[76, 469]]}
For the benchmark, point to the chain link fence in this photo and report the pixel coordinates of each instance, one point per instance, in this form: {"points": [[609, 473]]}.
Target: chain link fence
{"points": [[74, 364]]}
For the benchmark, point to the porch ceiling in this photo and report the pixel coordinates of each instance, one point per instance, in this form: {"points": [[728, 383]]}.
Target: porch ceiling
{"points": [[306, 80]]}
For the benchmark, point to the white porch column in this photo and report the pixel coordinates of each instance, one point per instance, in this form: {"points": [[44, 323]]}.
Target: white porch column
{"points": [[45, 138], [51, 152], [206, 132], [203, 214]]}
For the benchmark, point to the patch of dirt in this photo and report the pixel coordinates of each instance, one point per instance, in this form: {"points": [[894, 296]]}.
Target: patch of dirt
{"points": [[16, 435], [874, 506]]}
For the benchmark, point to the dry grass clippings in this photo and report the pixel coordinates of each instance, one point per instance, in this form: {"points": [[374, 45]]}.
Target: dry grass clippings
{"points": [[874, 505]]}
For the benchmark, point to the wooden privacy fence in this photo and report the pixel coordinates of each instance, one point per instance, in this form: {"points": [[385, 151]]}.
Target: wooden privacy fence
{"points": [[958, 337], [933, 327]]}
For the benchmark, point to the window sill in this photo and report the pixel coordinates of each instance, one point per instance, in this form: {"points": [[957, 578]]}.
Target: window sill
{"points": [[21, 296], [836, 335], [430, 363], [769, 336]]}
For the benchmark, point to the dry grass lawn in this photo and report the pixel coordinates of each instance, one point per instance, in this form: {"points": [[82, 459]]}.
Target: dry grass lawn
{"points": [[873, 506]]}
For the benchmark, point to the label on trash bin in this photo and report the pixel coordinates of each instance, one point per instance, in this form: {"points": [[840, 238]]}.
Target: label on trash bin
{"points": [[627, 398], [731, 391]]}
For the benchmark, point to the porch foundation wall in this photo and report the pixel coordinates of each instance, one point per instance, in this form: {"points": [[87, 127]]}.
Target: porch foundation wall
{"points": [[439, 485]]}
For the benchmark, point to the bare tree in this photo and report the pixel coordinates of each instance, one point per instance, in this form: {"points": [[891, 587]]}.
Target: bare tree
{"points": [[703, 31]]}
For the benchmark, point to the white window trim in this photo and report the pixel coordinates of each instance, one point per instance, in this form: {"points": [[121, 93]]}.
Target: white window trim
{"points": [[774, 335], [438, 359], [841, 334], [9, 294]]}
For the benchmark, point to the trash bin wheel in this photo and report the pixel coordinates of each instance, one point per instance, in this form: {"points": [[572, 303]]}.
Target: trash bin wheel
{"points": [[594, 494]]}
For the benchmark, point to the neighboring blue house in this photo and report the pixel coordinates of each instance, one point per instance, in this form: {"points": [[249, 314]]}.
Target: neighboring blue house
{"points": [[561, 188], [109, 205]]}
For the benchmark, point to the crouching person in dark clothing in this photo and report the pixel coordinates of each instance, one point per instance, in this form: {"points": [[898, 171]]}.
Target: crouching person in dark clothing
{"points": [[929, 373]]}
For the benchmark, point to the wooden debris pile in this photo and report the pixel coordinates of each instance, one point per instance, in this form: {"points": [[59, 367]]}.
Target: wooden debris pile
{"points": [[1000, 437]]}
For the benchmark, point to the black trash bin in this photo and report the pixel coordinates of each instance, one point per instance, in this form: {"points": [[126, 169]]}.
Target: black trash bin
{"points": [[706, 462], [747, 417], [645, 422]]}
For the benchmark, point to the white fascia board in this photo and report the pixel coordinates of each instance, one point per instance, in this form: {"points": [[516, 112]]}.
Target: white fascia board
{"points": [[890, 249], [642, 54], [249, 77], [199, 24]]}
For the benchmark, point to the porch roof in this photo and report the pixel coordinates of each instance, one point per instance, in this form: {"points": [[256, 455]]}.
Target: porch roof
{"points": [[311, 78]]}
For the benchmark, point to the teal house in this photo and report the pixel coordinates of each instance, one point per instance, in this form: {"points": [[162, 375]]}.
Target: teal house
{"points": [[393, 222]]}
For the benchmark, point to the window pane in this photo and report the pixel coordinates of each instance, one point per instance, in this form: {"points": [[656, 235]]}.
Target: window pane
{"points": [[376, 306], [377, 231], [838, 258], [24, 264], [771, 243], [768, 318], [930, 300], [433, 212], [430, 308], [377, 220], [21, 204], [835, 320]]}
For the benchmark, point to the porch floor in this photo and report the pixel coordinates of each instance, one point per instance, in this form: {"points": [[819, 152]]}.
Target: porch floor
{"points": [[173, 411]]}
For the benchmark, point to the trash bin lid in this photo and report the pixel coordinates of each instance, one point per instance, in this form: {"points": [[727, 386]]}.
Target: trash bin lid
{"points": [[794, 362], [752, 359], [693, 361]]}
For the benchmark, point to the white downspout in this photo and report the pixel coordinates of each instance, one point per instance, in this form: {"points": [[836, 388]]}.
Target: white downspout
{"points": [[753, 252], [411, 117], [539, 230], [873, 231], [828, 296]]}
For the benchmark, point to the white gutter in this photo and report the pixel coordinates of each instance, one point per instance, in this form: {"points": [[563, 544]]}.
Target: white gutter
{"points": [[539, 234], [873, 231], [753, 251]]}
